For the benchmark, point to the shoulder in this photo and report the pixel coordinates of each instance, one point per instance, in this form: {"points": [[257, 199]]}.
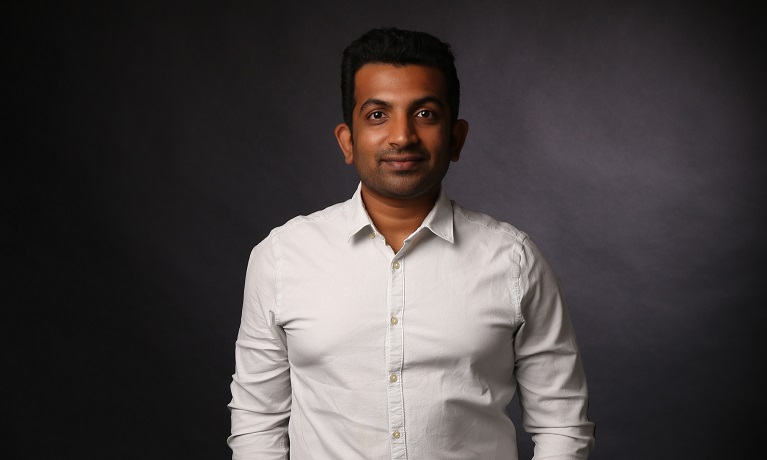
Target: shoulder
{"points": [[310, 229], [314, 221], [484, 233], [488, 237], [490, 241], [477, 222]]}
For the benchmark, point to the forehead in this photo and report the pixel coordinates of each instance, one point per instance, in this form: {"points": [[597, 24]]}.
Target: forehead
{"points": [[391, 82]]}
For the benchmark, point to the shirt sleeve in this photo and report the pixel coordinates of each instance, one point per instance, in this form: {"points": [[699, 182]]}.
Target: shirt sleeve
{"points": [[549, 372], [261, 393]]}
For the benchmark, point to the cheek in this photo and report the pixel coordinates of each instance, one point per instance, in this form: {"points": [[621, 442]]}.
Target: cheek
{"points": [[366, 144], [436, 137], [371, 138], [440, 146], [372, 134], [361, 156]]}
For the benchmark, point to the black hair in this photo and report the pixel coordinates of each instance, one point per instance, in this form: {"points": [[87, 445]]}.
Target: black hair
{"points": [[399, 47]]}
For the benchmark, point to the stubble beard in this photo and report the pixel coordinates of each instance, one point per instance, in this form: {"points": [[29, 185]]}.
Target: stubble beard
{"points": [[405, 184]]}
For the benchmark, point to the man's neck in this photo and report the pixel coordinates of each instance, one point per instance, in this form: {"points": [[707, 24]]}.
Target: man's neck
{"points": [[395, 218]]}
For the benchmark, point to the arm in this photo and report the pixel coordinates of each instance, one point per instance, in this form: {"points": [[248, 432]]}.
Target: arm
{"points": [[552, 384], [261, 393]]}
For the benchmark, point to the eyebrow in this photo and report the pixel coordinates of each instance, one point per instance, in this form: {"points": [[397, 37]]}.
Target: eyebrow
{"points": [[381, 103], [373, 102]]}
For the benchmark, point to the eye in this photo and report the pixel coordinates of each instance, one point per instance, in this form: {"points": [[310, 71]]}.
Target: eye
{"points": [[376, 115], [426, 114]]}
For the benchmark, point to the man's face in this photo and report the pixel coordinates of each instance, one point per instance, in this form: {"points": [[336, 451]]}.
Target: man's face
{"points": [[402, 140]]}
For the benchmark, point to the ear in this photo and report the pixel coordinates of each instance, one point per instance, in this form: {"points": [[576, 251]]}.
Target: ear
{"points": [[344, 137], [458, 132]]}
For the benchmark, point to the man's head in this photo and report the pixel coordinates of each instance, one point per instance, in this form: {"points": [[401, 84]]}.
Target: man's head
{"points": [[401, 97], [398, 47]]}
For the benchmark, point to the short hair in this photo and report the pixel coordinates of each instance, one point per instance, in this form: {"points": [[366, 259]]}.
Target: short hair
{"points": [[398, 47]]}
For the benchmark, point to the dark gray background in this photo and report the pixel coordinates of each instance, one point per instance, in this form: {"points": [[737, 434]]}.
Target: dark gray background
{"points": [[150, 147]]}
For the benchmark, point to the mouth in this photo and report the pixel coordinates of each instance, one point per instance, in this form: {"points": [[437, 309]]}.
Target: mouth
{"points": [[402, 163]]}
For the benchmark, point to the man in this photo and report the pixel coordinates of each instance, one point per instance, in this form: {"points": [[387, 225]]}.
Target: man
{"points": [[398, 324]]}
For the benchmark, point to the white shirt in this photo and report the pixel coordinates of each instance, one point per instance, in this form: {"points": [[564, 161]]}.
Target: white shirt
{"points": [[347, 350]]}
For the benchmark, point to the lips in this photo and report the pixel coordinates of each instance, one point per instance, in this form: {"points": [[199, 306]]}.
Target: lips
{"points": [[402, 162]]}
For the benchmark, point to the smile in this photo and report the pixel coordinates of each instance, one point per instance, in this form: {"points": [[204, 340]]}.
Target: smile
{"points": [[402, 163]]}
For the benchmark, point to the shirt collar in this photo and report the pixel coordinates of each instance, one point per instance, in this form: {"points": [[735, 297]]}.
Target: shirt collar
{"points": [[439, 220], [358, 218]]}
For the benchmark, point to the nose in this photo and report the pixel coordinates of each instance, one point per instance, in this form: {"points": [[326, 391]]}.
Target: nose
{"points": [[402, 132]]}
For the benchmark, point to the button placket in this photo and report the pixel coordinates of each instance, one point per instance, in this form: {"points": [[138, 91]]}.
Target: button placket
{"points": [[394, 358]]}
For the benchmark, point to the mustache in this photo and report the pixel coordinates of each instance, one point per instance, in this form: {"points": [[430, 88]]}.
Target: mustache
{"points": [[398, 153]]}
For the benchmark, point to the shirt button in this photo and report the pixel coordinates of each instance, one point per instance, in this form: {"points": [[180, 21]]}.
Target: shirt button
{"points": [[393, 378], [394, 321], [372, 235], [395, 265], [395, 435]]}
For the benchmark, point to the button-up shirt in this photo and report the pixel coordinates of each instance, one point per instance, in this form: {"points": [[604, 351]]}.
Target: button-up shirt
{"points": [[347, 350]]}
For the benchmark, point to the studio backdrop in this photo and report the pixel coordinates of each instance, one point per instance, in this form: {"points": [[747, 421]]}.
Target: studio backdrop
{"points": [[153, 145]]}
